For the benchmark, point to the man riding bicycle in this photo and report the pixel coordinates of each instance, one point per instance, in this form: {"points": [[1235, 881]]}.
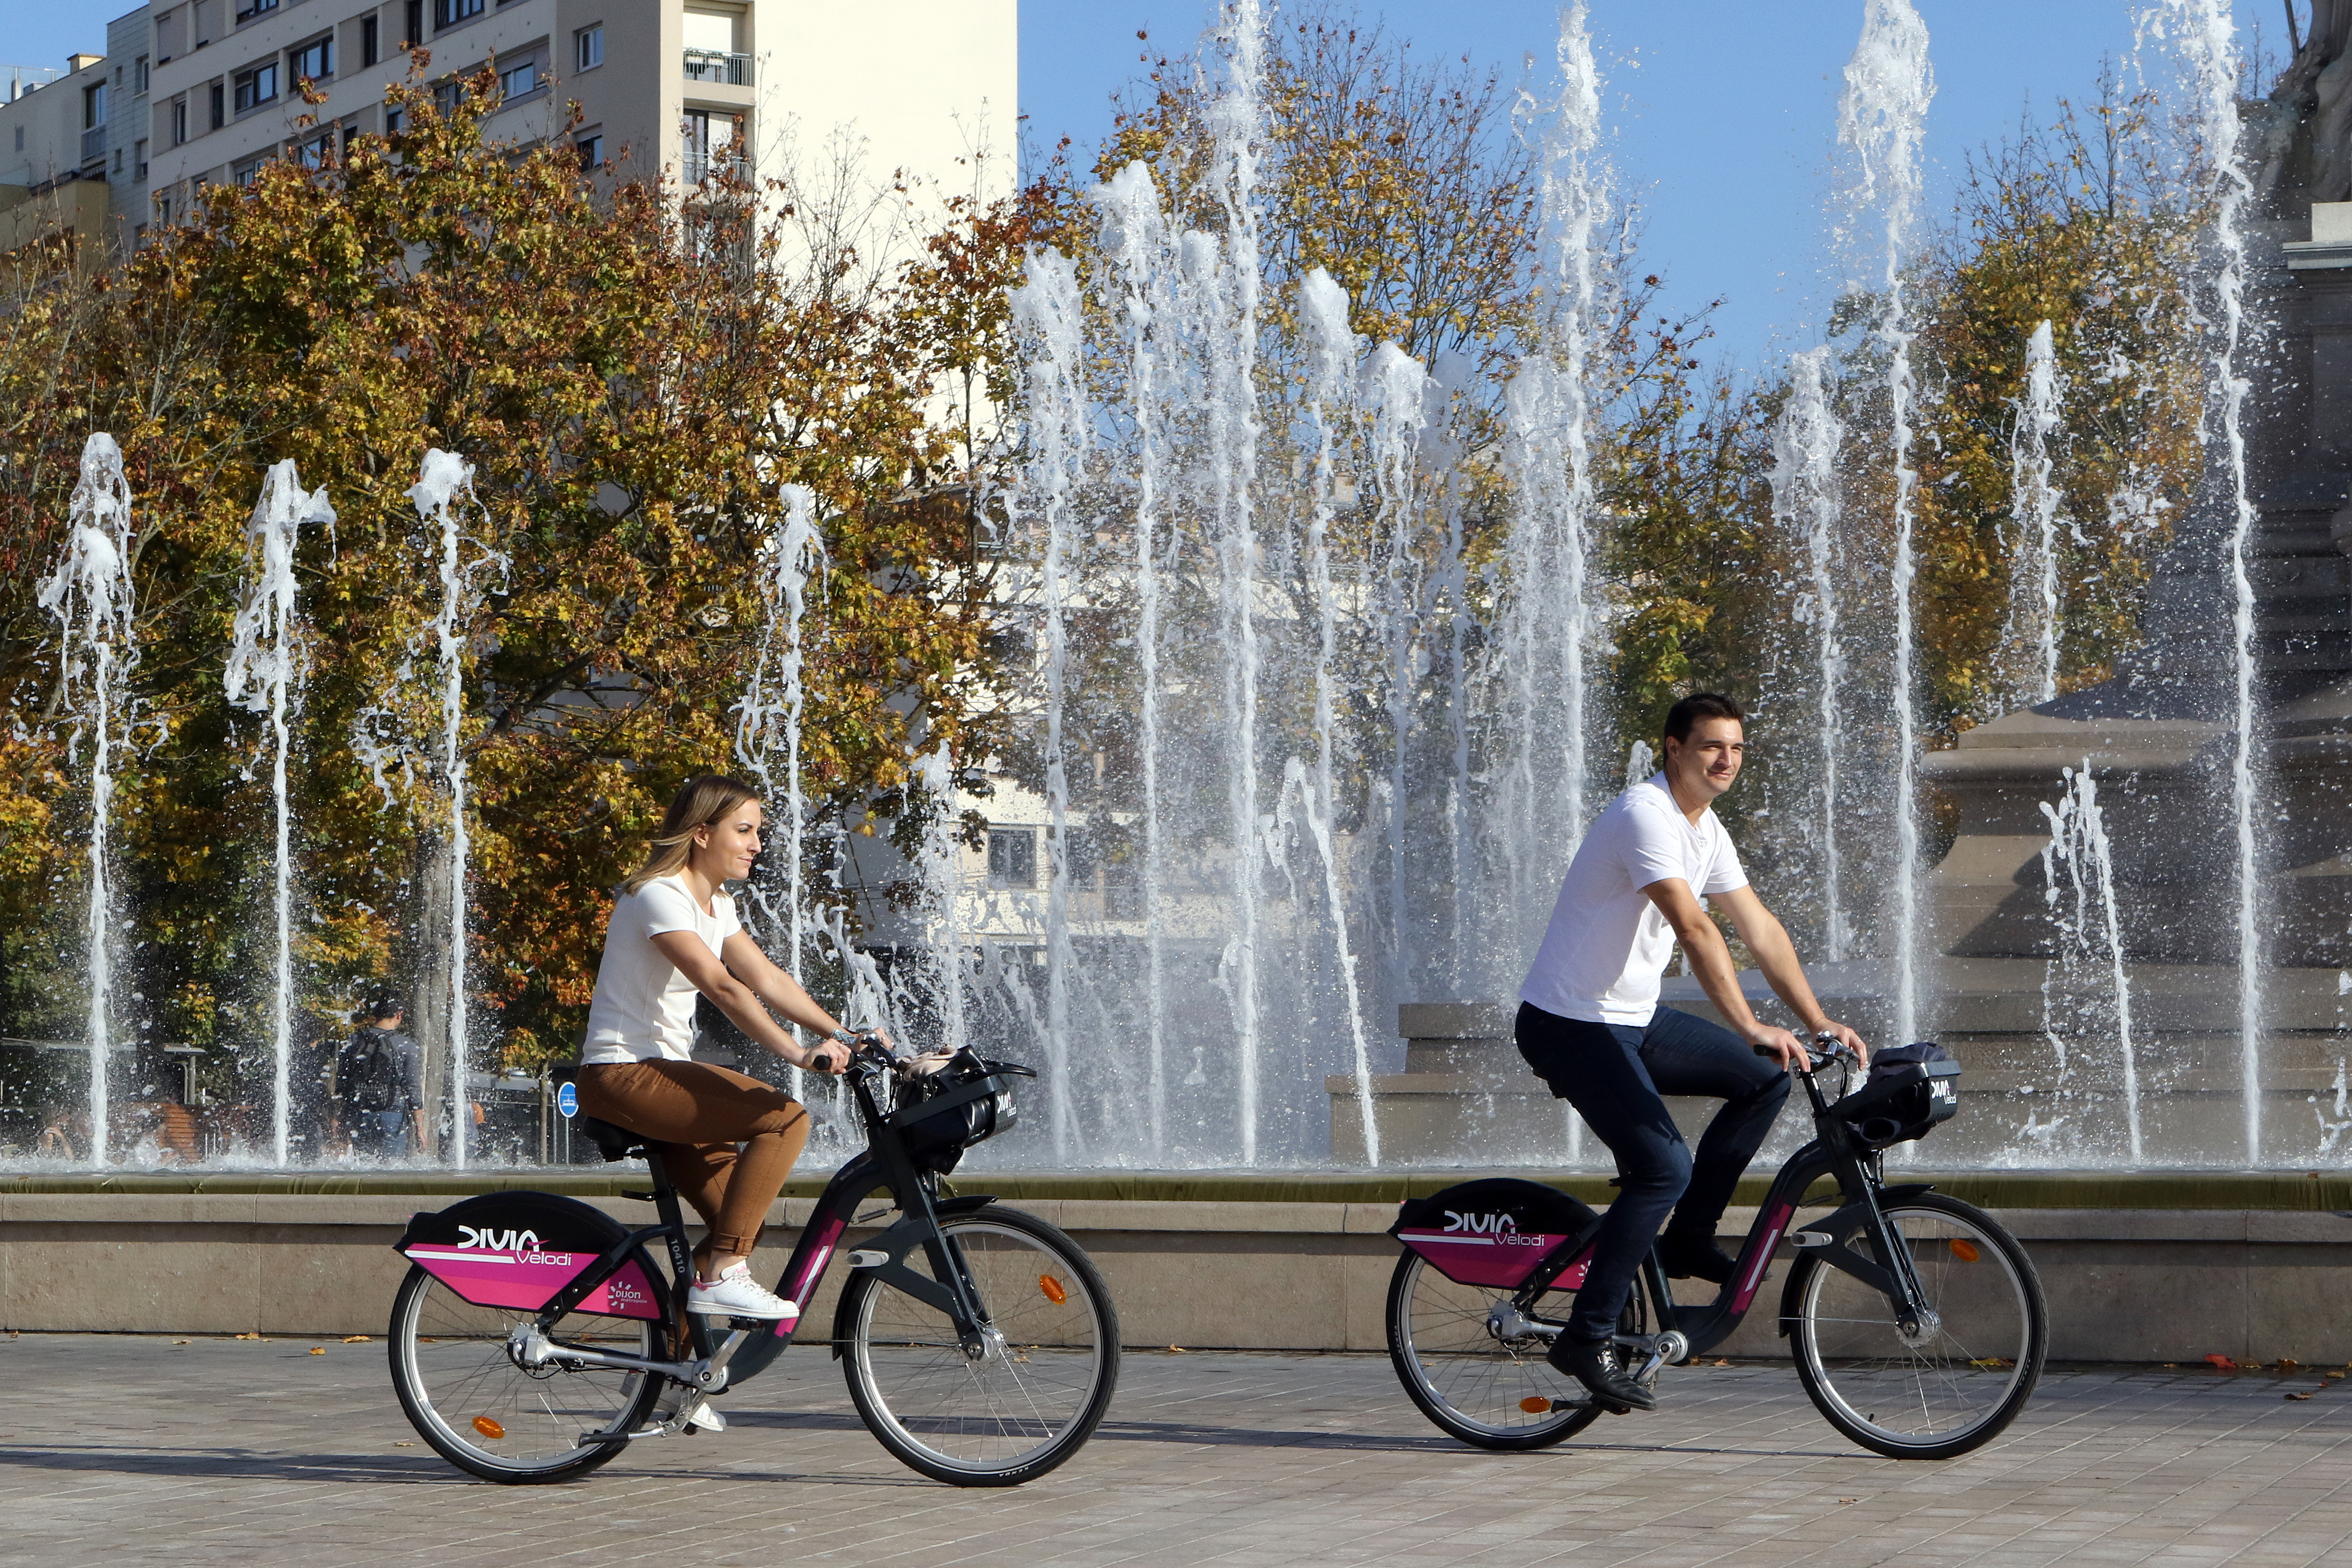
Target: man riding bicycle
{"points": [[1591, 1026]]}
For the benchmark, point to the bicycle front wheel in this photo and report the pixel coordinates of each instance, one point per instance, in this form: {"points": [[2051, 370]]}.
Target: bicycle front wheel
{"points": [[485, 1412], [1956, 1382], [1043, 1378], [1472, 1367]]}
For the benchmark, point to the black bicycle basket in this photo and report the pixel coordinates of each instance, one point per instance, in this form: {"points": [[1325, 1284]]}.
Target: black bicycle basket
{"points": [[1910, 1089], [943, 1113]]}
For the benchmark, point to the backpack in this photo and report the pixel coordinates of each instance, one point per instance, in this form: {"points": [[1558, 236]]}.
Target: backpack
{"points": [[367, 1072]]}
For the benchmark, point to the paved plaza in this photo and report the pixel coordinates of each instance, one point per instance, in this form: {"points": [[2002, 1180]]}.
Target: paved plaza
{"points": [[124, 1450]]}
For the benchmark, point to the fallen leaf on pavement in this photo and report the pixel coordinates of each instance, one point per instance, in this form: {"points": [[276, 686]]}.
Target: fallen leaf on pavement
{"points": [[1846, 1500], [1178, 1350], [318, 1349], [355, 1339], [2224, 1362], [2301, 1396]]}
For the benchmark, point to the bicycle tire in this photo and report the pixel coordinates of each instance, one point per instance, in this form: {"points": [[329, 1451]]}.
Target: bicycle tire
{"points": [[1471, 1384], [487, 1415], [1963, 1384], [1027, 1406]]}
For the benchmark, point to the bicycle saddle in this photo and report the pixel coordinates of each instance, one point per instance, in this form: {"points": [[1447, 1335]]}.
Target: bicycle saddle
{"points": [[612, 1142]]}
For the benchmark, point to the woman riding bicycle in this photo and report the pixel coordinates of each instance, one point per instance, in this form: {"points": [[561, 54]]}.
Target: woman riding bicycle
{"points": [[673, 936]]}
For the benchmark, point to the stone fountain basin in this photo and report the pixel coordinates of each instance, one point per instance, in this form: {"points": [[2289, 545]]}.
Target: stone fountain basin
{"points": [[2139, 1266]]}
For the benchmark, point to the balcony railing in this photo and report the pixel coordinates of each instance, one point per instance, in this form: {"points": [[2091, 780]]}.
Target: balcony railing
{"points": [[726, 70], [93, 144], [701, 166]]}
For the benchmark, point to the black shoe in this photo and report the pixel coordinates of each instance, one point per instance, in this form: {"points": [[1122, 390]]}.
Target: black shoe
{"points": [[1695, 1258], [1595, 1364]]}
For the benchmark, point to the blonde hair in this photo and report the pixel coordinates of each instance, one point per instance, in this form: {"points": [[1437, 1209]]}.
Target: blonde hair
{"points": [[699, 803]]}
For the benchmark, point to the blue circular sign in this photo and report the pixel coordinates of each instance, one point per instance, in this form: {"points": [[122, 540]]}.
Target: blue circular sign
{"points": [[567, 1099]]}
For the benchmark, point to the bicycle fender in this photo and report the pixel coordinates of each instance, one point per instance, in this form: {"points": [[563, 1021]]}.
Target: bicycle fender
{"points": [[1844, 1258], [1493, 1233], [898, 1241], [521, 1249]]}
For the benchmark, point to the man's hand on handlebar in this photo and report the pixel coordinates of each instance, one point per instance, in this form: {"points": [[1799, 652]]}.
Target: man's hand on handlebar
{"points": [[1785, 1047], [1847, 1039], [1779, 1045]]}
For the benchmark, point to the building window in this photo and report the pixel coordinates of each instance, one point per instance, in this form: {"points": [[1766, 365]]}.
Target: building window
{"points": [[219, 118], [93, 106], [588, 47], [591, 149], [449, 12], [412, 26], [246, 173], [713, 145], [179, 122], [163, 209], [139, 157], [257, 86], [368, 55], [1012, 856], [520, 81], [247, 10], [20, 139], [351, 134], [138, 74], [317, 152], [315, 59], [392, 122]]}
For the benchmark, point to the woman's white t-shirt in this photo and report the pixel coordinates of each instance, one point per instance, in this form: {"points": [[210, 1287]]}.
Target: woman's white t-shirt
{"points": [[1607, 947], [645, 1006]]}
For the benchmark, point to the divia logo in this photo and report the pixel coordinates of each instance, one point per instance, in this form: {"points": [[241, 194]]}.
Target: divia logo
{"points": [[499, 1240], [1480, 1223]]}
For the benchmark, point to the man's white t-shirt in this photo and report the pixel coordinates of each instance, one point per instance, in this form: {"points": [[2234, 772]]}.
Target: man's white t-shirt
{"points": [[645, 1006], [1607, 944]]}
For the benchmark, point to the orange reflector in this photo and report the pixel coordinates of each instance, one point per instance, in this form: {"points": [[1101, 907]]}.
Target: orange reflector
{"points": [[488, 1427], [1966, 1251], [1053, 1289], [1535, 1405]]}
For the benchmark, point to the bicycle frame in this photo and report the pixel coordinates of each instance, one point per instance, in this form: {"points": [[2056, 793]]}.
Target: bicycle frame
{"points": [[747, 1350], [1835, 1150]]}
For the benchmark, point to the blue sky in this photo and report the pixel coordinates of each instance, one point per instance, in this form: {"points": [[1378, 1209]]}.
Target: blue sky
{"points": [[1721, 111]]}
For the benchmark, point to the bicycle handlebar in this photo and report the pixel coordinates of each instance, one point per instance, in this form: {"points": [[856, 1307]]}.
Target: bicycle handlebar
{"points": [[1826, 1048]]}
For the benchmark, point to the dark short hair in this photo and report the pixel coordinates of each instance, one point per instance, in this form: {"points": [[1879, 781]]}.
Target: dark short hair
{"points": [[386, 1005], [1700, 705]]}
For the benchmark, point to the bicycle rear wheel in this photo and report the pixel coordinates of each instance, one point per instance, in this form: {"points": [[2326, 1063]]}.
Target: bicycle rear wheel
{"points": [[484, 1411], [1464, 1361], [1035, 1395], [1957, 1382]]}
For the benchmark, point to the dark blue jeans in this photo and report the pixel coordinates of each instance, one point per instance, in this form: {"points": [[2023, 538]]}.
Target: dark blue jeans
{"points": [[1615, 1074]]}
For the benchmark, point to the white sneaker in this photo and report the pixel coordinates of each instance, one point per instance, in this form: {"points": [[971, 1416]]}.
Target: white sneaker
{"points": [[735, 1294]]}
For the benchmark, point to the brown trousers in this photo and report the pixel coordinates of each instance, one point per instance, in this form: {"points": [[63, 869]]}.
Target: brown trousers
{"points": [[696, 1115]]}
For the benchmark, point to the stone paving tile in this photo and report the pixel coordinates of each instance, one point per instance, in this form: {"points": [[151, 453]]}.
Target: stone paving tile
{"points": [[130, 1450]]}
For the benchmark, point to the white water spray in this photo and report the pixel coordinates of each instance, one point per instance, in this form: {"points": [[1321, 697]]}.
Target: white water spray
{"points": [[444, 487], [2087, 927], [1808, 505], [1238, 118], [1048, 310], [1881, 118], [1552, 614], [769, 717], [1134, 245], [92, 596], [265, 665], [2031, 635], [2204, 34], [1333, 361]]}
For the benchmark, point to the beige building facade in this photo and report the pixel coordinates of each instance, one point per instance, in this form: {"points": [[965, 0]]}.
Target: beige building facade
{"points": [[201, 92]]}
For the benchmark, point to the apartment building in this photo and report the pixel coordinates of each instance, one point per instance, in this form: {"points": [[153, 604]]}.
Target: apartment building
{"points": [[196, 92]]}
